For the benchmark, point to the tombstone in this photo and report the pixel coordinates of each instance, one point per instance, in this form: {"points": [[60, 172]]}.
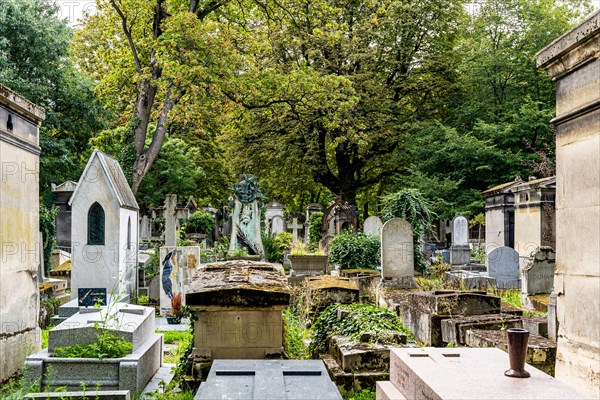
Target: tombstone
{"points": [[397, 251], [503, 265], [177, 265], [145, 228], [372, 225], [537, 275], [132, 323], [295, 229], [238, 307], [460, 253], [274, 222], [277, 225], [245, 234], [172, 214], [104, 228]]}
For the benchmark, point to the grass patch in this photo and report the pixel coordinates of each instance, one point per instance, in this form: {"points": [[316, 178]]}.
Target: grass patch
{"points": [[364, 394], [512, 297], [171, 337], [295, 334], [183, 340]]}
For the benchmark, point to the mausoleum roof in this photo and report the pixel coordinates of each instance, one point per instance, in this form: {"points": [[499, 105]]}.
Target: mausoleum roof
{"points": [[116, 180]]}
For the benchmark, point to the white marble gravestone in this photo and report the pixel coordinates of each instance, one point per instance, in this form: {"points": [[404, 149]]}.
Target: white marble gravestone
{"points": [[372, 225], [397, 249], [460, 253], [277, 225], [503, 265]]}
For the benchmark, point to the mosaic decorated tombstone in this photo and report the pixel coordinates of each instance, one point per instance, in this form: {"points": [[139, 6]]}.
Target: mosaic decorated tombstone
{"points": [[245, 232], [460, 253], [177, 265], [503, 265], [397, 252], [372, 225]]}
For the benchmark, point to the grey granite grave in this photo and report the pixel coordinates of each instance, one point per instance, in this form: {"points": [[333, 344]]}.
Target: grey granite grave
{"points": [[131, 372], [503, 265], [470, 279], [268, 379], [537, 275], [460, 253], [466, 374]]}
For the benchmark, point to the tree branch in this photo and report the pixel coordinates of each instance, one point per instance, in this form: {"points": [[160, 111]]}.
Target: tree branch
{"points": [[127, 32]]}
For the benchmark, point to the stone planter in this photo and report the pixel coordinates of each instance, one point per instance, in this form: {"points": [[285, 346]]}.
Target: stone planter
{"points": [[308, 264], [247, 258]]}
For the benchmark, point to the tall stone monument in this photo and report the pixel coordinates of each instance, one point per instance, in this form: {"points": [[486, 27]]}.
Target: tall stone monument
{"points": [[397, 253], [20, 122], [573, 60], [245, 232], [460, 253]]}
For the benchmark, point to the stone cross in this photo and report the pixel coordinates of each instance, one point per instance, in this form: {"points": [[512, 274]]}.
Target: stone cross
{"points": [[172, 216], [295, 226]]}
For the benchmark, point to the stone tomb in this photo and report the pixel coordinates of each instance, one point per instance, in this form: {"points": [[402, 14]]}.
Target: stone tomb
{"points": [[503, 265], [537, 275], [238, 307], [268, 379], [472, 280], [460, 253], [430, 373], [177, 265], [325, 290], [132, 372], [423, 312]]}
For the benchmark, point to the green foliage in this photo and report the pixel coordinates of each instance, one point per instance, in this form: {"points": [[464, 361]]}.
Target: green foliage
{"points": [[314, 230], [183, 340], [108, 345], [364, 394], [200, 222], [152, 267], [171, 337], [294, 336], [143, 299], [361, 318], [275, 245], [48, 308], [355, 250], [410, 205], [512, 297], [48, 229]]}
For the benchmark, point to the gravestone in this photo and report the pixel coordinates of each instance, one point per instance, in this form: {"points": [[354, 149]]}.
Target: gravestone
{"points": [[277, 225], [172, 215], [537, 275], [397, 249], [295, 229], [372, 225], [460, 253], [177, 266], [274, 218], [245, 233], [503, 265], [145, 228]]}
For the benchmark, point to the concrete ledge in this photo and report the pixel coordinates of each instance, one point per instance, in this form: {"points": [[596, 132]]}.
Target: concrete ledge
{"points": [[385, 390], [100, 395]]}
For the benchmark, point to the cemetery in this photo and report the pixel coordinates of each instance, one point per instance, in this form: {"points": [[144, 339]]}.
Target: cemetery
{"points": [[220, 202]]}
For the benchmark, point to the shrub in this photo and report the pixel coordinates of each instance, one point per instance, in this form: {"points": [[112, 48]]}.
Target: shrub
{"points": [[355, 250], [108, 345], [200, 222], [410, 205], [361, 318], [275, 245]]}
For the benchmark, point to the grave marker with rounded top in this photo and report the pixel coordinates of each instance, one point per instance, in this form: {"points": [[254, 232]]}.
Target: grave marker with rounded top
{"points": [[372, 225], [460, 252], [503, 265], [397, 251]]}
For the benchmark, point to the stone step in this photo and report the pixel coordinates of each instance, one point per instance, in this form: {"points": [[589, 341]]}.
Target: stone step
{"points": [[352, 381], [541, 352], [385, 390], [454, 330]]}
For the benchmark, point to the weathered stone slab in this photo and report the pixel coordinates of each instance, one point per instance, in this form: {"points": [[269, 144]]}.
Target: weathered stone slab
{"points": [[541, 352], [349, 382], [373, 225], [385, 390], [352, 356], [468, 374], [454, 330], [397, 249], [470, 279], [536, 325], [503, 265], [268, 379], [308, 265], [537, 275], [422, 312]]}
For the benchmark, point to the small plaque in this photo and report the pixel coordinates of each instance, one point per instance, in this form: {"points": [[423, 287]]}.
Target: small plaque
{"points": [[89, 297]]}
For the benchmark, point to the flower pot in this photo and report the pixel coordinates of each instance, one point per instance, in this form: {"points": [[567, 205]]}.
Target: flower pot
{"points": [[173, 320], [517, 352]]}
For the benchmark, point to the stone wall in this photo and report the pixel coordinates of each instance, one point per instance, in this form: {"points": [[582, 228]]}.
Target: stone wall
{"points": [[574, 63], [19, 226]]}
